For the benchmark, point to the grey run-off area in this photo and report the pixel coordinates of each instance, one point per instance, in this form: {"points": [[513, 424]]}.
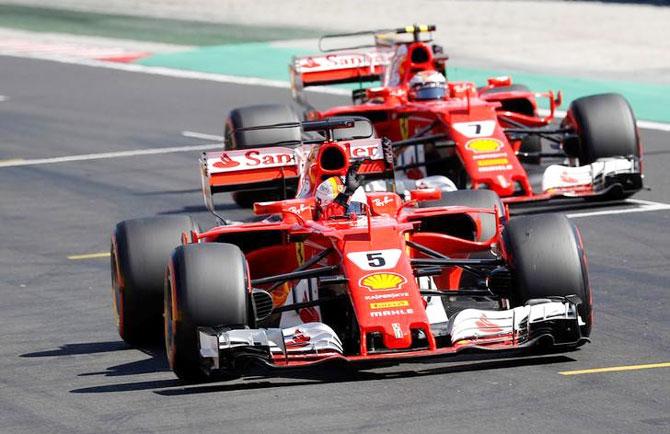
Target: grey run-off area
{"points": [[603, 40]]}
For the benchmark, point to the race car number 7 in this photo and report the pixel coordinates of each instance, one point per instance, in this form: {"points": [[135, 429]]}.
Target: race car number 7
{"points": [[476, 128], [375, 259]]}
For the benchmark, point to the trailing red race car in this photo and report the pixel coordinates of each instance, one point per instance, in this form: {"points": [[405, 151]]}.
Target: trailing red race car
{"points": [[477, 137], [338, 273]]}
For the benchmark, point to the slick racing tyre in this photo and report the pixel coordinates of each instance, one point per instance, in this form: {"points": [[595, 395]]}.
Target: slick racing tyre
{"points": [[531, 144], [254, 116], [206, 285], [261, 115], [547, 259], [605, 127], [140, 251], [474, 199]]}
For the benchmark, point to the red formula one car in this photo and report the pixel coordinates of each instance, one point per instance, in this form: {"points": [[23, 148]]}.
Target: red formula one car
{"points": [[477, 137], [337, 273]]}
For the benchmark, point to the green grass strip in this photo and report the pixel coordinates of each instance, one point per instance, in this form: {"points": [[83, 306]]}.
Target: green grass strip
{"points": [[650, 101], [170, 31]]}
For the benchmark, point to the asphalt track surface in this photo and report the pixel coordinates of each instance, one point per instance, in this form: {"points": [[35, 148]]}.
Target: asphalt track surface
{"points": [[64, 369]]}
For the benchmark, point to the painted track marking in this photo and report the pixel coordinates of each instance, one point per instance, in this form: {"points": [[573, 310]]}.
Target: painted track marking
{"points": [[648, 125], [617, 369], [89, 256], [644, 206], [177, 73], [232, 79], [108, 155], [204, 136], [3, 98]]}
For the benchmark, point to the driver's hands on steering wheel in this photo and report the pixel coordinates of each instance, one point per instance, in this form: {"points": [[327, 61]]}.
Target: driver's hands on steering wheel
{"points": [[352, 181]]}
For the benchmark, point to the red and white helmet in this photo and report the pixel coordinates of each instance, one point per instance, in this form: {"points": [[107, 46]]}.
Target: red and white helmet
{"points": [[426, 85]]}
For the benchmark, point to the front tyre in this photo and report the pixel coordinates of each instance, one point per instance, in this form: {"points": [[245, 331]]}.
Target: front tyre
{"points": [[139, 252], [237, 138], [206, 285], [605, 127], [547, 259]]}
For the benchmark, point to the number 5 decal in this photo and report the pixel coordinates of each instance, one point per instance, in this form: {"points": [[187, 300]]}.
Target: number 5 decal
{"points": [[375, 259]]}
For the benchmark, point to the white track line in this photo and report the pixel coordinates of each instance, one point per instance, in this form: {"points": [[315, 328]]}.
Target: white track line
{"points": [[649, 125], [107, 155], [177, 73], [204, 136], [221, 78], [644, 206], [3, 98]]}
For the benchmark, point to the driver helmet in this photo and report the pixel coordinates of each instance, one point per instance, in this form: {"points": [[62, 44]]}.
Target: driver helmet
{"points": [[427, 85], [328, 191]]}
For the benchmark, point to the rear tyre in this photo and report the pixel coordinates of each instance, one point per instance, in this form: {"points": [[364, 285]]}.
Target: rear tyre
{"points": [[474, 199], [605, 126], [531, 144], [547, 259], [260, 115], [140, 250], [206, 285], [254, 116]]}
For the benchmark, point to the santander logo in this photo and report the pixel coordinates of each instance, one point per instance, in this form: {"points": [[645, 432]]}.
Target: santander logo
{"points": [[232, 161], [565, 177], [309, 62], [226, 162]]}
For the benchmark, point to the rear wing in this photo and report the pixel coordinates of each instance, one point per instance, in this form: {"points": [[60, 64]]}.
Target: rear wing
{"points": [[276, 167], [247, 169], [355, 64], [339, 67]]}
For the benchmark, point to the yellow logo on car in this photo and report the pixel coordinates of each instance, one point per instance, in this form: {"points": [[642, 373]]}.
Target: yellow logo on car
{"points": [[480, 146], [492, 162], [383, 281], [389, 304]]}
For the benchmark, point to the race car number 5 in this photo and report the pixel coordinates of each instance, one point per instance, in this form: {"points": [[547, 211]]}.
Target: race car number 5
{"points": [[375, 259]]}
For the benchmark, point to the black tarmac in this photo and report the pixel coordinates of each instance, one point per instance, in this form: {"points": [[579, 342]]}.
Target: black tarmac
{"points": [[63, 367]]}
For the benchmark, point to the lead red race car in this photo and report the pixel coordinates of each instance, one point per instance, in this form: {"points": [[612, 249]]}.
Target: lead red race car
{"points": [[488, 137], [338, 273]]}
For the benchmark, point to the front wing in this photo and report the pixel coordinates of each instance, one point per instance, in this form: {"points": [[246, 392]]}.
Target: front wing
{"points": [[555, 321], [616, 176]]}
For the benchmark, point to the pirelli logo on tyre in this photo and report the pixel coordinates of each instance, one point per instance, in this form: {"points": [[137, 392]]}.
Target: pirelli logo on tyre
{"points": [[481, 146], [382, 281], [389, 304]]}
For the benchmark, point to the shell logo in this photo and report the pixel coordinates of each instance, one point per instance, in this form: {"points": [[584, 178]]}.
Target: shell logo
{"points": [[480, 146], [383, 281]]}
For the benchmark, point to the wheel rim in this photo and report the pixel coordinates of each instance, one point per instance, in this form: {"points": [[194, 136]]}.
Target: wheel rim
{"points": [[169, 322], [117, 296]]}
